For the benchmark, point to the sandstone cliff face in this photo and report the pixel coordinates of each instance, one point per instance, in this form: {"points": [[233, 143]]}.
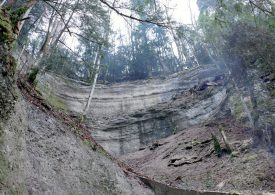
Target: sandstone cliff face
{"points": [[126, 116]]}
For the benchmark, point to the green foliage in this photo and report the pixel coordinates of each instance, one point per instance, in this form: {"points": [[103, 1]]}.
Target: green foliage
{"points": [[209, 180], [82, 118], [239, 33], [33, 74], [271, 89], [16, 15], [50, 97], [6, 32], [148, 54], [249, 157], [234, 193], [271, 23], [217, 145], [238, 7]]}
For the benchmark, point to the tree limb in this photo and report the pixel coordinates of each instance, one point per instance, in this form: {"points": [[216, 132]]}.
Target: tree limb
{"points": [[162, 24], [63, 20], [261, 8]]}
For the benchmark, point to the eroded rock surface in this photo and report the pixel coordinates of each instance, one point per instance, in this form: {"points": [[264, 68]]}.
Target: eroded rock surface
{"points": [[126, 116], [131, 116]]}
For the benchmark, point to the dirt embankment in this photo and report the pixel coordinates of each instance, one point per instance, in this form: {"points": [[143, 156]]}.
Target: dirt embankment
{"points": [[189, 160]]}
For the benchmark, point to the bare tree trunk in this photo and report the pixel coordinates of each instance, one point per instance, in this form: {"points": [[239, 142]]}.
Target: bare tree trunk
{"points": [[97, 63], [191, 46], [195, 56], [49, 45], [27, 42], [65, 26], [3, 2], [191, 13], [225, 140], [194, 27], [181, 56], [45, 46]]}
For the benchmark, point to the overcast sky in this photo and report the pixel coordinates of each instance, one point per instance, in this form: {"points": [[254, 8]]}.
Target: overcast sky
{"points": [[180, 12]]}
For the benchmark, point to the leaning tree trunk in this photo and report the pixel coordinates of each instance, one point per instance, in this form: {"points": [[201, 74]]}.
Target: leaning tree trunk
{"points": [[97, 63], [3, 2]]}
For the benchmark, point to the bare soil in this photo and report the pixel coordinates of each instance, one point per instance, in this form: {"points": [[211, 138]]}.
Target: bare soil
{"points": [[188, 160]]}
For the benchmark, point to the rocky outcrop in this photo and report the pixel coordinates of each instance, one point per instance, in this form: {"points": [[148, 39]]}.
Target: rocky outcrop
{"points": [[131, 132], [136, 121], [126, 116]]}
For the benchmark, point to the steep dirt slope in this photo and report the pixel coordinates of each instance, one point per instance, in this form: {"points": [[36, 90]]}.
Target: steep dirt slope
{"points": [[45, 157], [188, 160]]}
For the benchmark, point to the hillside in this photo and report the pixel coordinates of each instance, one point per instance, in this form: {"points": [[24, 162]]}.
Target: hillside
{"points": [[162, 128], [165, 109]]}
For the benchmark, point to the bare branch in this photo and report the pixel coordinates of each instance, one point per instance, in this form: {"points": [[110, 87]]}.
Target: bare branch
{"points": [[261, 8], [162, 24], [63, 20], [85, 38]]}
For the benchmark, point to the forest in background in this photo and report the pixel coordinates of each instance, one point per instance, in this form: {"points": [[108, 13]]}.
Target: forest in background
{"points": [[236, 34]]}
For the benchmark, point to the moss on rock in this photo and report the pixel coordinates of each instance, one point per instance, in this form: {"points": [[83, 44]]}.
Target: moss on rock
{"points": [[51, 98], [7, 67], [17, 14], [6, 30]]}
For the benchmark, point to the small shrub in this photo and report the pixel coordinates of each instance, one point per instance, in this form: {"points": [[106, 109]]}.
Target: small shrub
{"points": [[33, 74], [217, 146]]}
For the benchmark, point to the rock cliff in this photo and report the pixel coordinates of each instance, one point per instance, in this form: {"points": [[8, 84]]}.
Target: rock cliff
{"points": [[163, 128], [190, 129], [126, 116]]}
